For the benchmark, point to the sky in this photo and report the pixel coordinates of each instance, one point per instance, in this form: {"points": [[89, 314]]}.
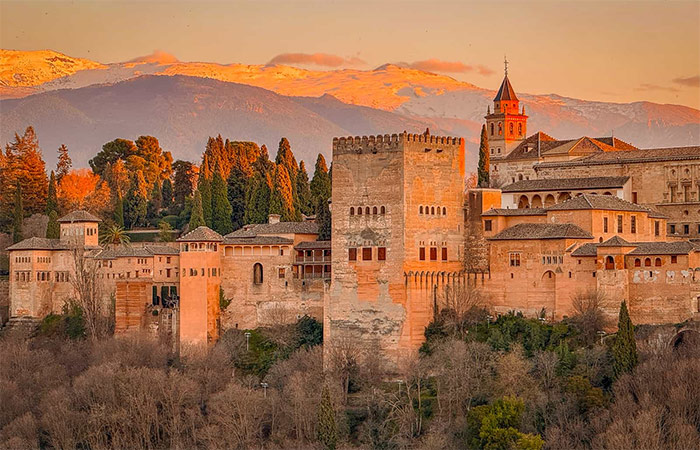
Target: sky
{"points": [[619, 51]]}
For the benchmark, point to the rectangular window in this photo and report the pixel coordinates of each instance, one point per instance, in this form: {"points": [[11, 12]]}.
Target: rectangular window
{"points": [[686, 229], [605, 224], [367, 254], [167, 259], [487, 225], [634, 197], [657, 230], [674, 259], [433, 253], [167, 273], [421, 253], [672, 229], [514, 259], [619, 224], [633, 224], [444, 253], [381, 254], [352, 254], [280, 272]]}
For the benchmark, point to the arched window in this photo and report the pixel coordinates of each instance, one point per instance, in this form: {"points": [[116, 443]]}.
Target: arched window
{"points": [[432, 210], [367, 210], [520, 129], [374, 210], [438, 210], [382, 210], [257, 273], [609, 263], [500, 128], [491, 129], [444, 211], [637, 262], [420, 210], [352, 210], [657, 262], [359, 210], [647, 262], [520, 177], [510, 128]]}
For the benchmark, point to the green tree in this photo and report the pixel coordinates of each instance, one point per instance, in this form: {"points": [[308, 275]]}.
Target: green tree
{"points": [[321, 182], [64, 162], [53, 229], [52, 198], [118, 149], [624, 348], [327, 428], [496, 427], [257, 200], [119, 211], [204, 188], [155, 203], [18, 216], [303, 191], [135, 203], [237, 187], [282, 200], [184, 181], [323, 219], [167, 193], [197, 215], [165, 234], [483, 173], [221, 208]]}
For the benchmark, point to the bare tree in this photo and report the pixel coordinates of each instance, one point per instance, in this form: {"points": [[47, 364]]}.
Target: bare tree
{"points": [[589, 317], [459, 307], [87, 290], [344, 357]]}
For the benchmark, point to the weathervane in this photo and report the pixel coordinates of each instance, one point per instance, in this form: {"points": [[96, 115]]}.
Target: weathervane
{"points": [[505, 63]]}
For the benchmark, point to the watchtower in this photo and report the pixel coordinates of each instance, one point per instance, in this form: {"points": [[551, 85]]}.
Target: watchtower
{"points": [[507, 125]]}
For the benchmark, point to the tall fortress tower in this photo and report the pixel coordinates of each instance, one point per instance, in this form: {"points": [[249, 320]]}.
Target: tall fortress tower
{"points": [[507, 125], [397, 238]]}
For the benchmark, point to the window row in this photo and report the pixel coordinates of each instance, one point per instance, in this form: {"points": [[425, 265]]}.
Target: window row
{"points": [[432, 210], [167, 259], [433, 252], [681, 228], [23, 259], [511, 129], [199, 247], [657, 261], [374, 210], [633, 225], [43, 259], [142, 261], [193, 272], [552, 260], [367, 253]]}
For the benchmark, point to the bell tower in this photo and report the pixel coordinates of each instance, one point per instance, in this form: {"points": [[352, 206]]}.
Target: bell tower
{"points": [[507, 125]]}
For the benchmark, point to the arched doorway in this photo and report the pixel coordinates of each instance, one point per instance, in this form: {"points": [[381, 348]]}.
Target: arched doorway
{"points": [[523, 203], [548, 285], [536, 201]]}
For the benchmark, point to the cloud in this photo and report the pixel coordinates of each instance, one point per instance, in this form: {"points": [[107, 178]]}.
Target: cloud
{"points": [[689, 81], [317, 59], [437, 65], [655, 87]]}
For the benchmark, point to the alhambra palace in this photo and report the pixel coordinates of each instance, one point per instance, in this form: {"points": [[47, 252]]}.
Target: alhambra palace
{"points": [[559, 218]]}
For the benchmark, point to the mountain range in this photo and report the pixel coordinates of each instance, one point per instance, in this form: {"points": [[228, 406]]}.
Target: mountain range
{"points": [[84, 104]]}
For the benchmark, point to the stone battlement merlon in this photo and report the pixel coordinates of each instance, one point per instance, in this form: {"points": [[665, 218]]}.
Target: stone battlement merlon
{"points": [[388, 142]]}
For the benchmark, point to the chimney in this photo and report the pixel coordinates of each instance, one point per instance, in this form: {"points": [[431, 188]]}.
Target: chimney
{"points": [[273, 218]]}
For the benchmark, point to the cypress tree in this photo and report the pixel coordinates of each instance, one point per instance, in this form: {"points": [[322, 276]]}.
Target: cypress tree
{"points": [[321, 182], [18, 216], [257, 200], [237, 186], [156, 202], [52, 198], [204, 188], [327, 429], [303, 191], [624, 348], [53, 229], [323, 219], [197, 215], [167, 193], [282, 201], [119, 211], [221, 208], [135, 203], [64, 162], [483, 159]]}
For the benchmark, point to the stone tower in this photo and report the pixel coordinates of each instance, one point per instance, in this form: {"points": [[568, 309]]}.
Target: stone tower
{"points": [[200, 280], [397, 239], [507, 125]]}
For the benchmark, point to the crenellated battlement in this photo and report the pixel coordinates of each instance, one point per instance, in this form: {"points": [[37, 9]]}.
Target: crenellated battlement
{"points": [[388, 142]]}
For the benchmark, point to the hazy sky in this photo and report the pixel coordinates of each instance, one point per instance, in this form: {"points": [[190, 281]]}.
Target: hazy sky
{"points": [[611, 51]]}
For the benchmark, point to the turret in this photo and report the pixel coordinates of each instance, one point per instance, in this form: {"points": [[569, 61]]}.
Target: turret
{"points": [[79, 228]]}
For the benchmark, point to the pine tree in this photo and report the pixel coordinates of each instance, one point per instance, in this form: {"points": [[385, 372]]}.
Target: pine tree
{"points": [[321, 182], [53, 229], [23, 165], [18, 216], [135, 203], [624, 348], [327, 429], [119, 211], [323, 219], [197, 215], [204, 188], [237, 187], [303, 191], [167, 193], [52, 198], [282, 200], [64, 162], [221, 208], [484, 159]]}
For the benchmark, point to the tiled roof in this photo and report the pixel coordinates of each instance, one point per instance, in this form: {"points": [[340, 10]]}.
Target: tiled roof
{"points": [[163, 250], [633, 156], [588, 249], [558, 184], [515, 212], [131, 251], [595, 201], [506, 91], [663, 248], [527, 148], [201, 234], [542, 231], [311, 245], [257, 240], [304, 227], [548, 146], [37, 243], [79, 216], [615, 241]]}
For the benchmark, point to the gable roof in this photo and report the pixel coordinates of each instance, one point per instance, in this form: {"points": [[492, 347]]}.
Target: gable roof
{"points": [[201, 234], [252, 230], [588, 249], [542, 231], [615, 241], [79, 216], [583, 147], [38, 243], [506, 91], [558, 184], [595, 201]]}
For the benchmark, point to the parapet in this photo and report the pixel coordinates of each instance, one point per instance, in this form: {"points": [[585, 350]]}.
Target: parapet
{"points": [[386, 142]]}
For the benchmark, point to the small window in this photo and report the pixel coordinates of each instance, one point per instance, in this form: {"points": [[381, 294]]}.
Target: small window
{"points": [[382, 210], [367, 253], [674, 259], [672, 229], [637, 262], [367, 210], [432, 210], [444, 253], [633, 224], [359, 211], [488, 224], [281, 272], [352, 210], [605, 224], [421, 253], [420, 210], [381, 254], [444, 211], [657, 228], [514, 259], [352, 254], [619, 224], [374, 210], [657, 262], [433, 253], [647, 262], [257, 273], [686, 229]]}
